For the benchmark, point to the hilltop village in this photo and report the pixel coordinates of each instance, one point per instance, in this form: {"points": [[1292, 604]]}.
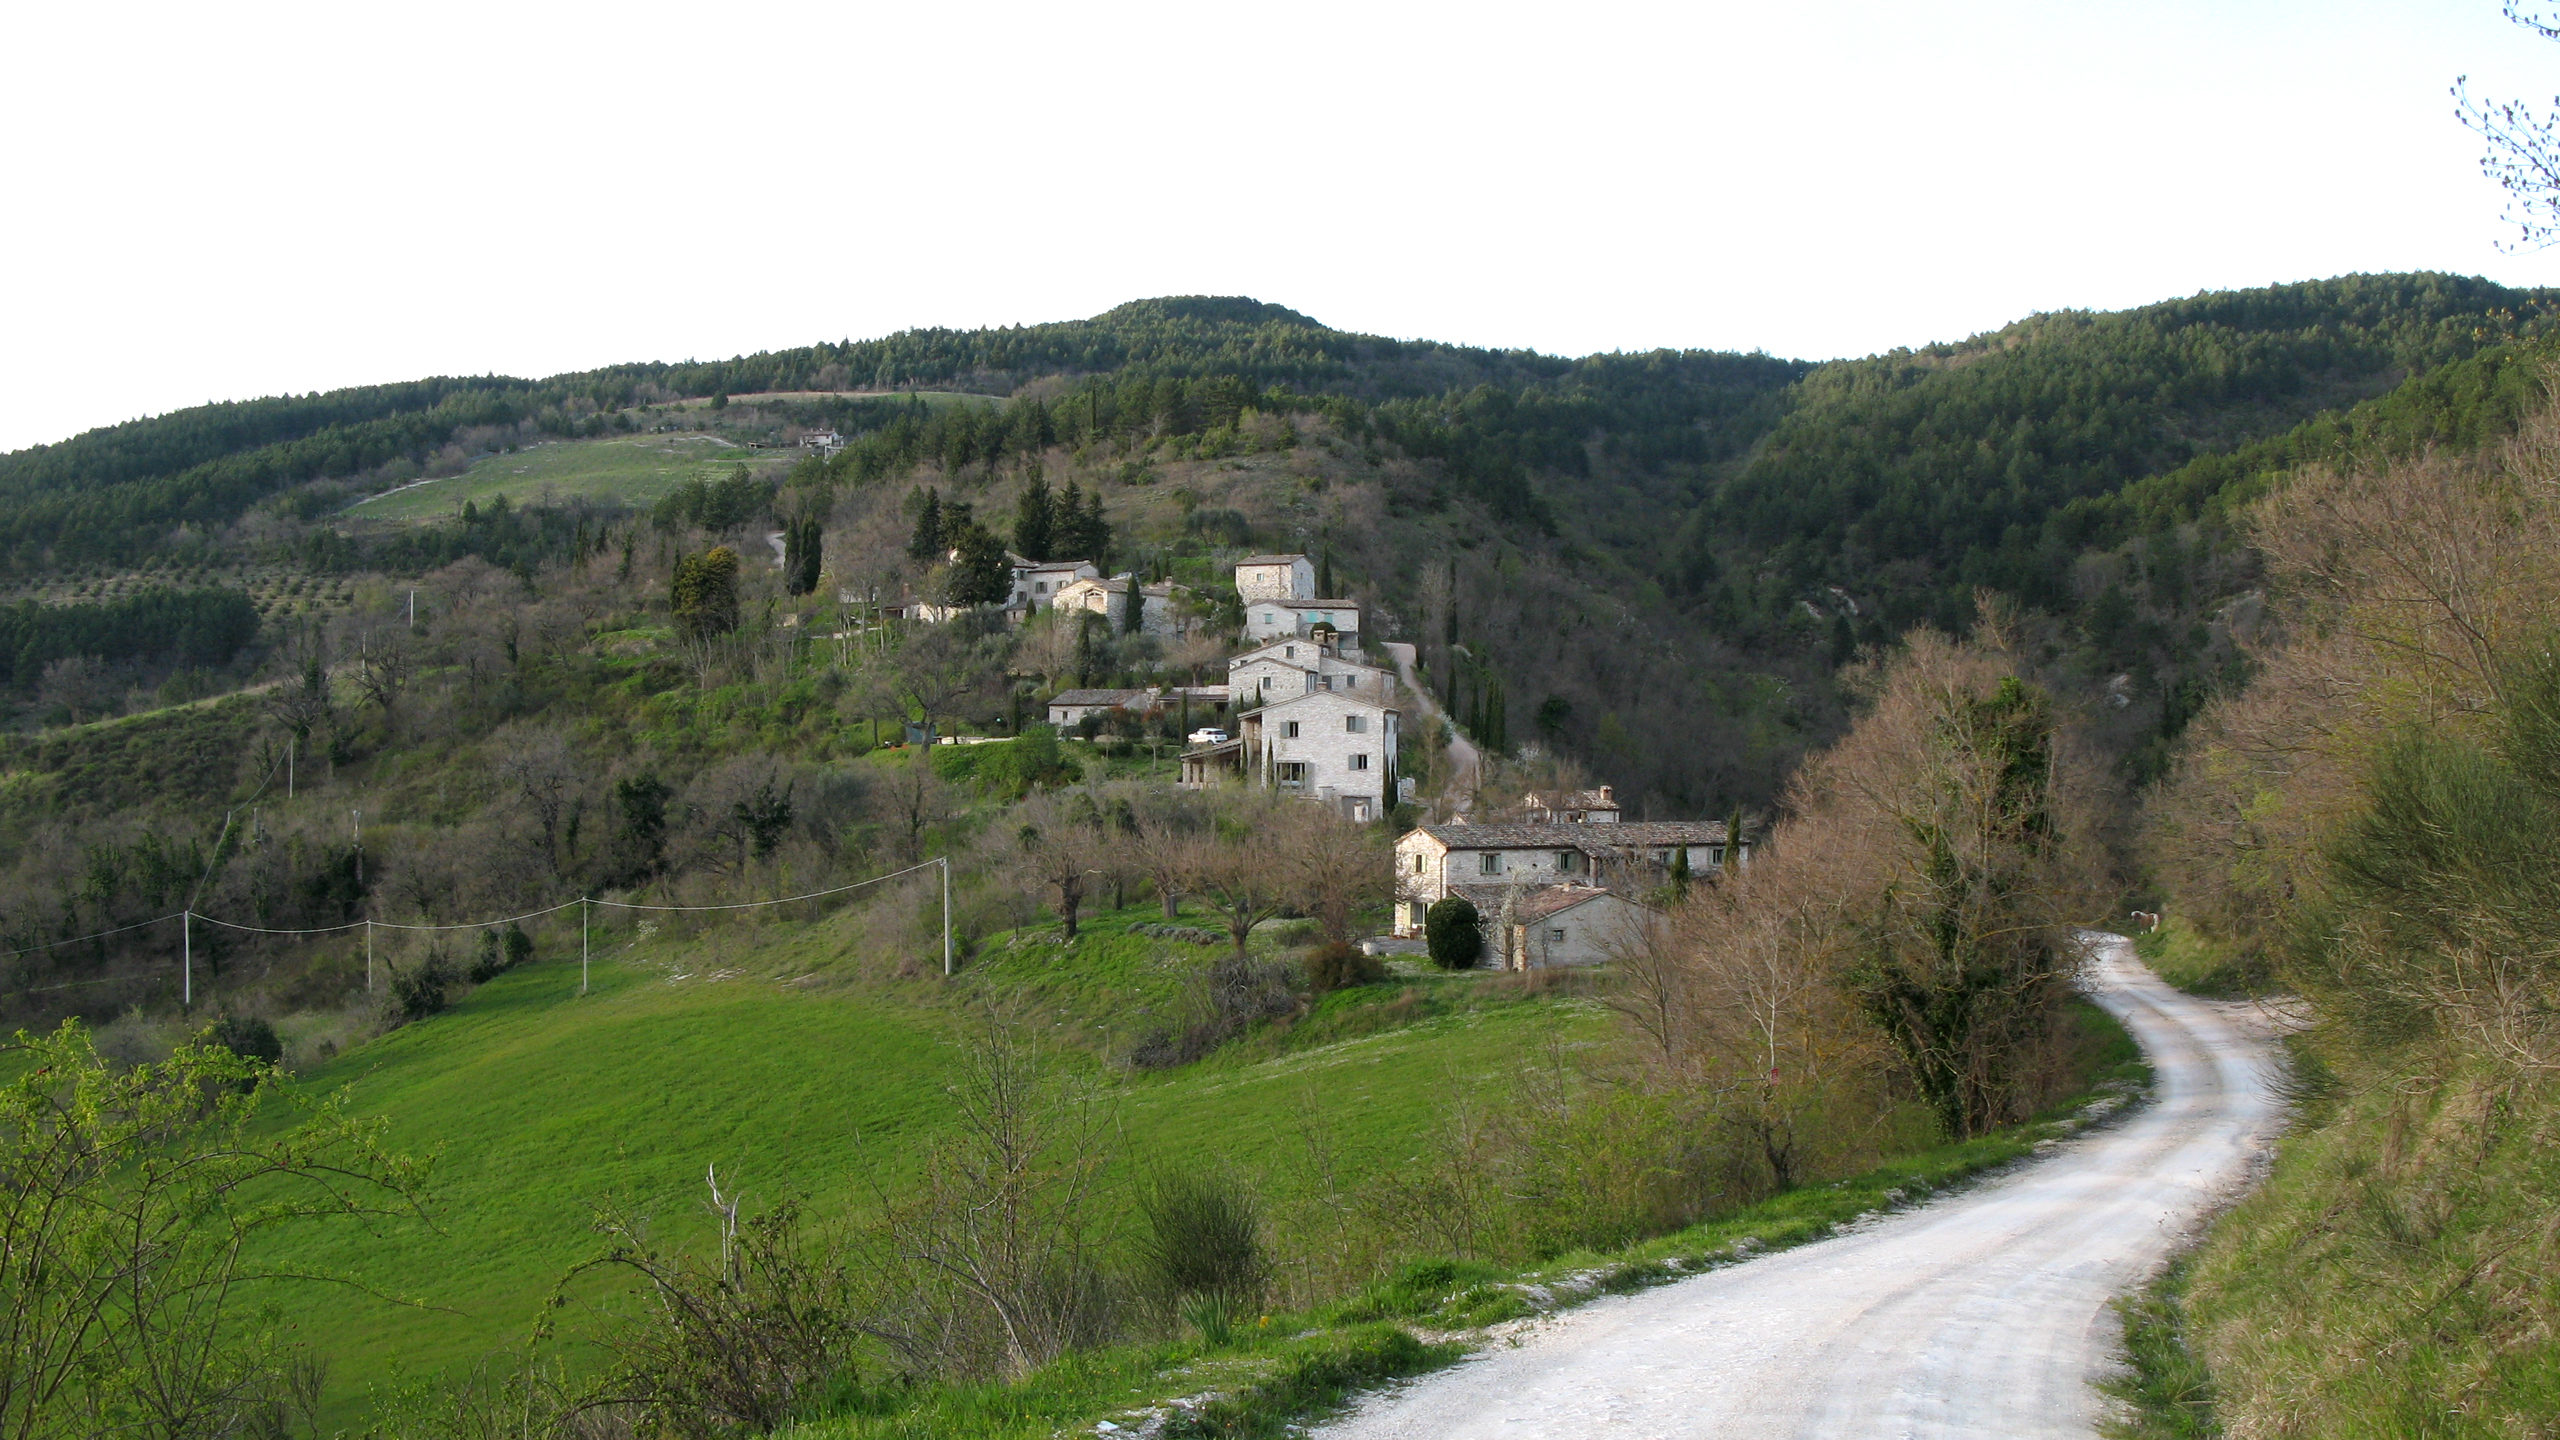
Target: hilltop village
{"points": [[1560, 878]]}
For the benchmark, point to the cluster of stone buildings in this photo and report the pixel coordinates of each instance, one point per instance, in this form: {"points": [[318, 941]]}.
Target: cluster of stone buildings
{"points": [[1313, 718], [1558, 881], [1558, 890], [1075, 585]]}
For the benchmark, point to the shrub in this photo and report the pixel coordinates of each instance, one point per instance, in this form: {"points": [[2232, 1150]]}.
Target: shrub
{"points": [[1454, 933], [1225, 998], [422, 990], [500, 951], [1339, 967], [249, 1037], [1200, 1251]]}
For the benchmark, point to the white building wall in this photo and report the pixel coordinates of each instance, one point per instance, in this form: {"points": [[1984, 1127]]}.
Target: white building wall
{"points": [[1330, 751], [1591, 933], [1290, 579]]}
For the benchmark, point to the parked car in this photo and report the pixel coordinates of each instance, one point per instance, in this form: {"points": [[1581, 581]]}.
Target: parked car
{"points": [[1209, 737]]}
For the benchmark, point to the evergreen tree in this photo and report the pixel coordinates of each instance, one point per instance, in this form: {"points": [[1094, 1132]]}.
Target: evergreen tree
{"points": [[1035, 519], [1133, 621], [1082, 532], [705, 594], [803, 553], [980, 573], [1324, 576], [928, 543]]}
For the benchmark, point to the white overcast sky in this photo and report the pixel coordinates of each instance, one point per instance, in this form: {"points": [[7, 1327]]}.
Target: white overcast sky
{"points": [[223, 201]]}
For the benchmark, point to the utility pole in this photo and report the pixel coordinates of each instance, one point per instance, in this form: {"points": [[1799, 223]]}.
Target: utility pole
{"points": [[586, 907], [288, 765], [413, 610], [187, 992], [368, 957], [946, 917]]}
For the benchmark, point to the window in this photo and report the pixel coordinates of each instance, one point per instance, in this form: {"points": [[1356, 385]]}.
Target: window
{"points": [[1293, 772], [1555, 937], [1289, 651], [1289, 728], [1355, 724], [1360, 761], [1417, 862], [1266, 682], [1491, 862], [1564, 860], [1040, 587]]}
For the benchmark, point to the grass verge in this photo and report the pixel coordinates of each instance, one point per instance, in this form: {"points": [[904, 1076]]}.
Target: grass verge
{"points": [[1285, 1369], [2178, 954], [2166, 1390]]}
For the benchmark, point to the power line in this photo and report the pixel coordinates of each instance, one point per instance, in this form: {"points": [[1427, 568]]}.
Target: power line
{"points": [[188, 916]]}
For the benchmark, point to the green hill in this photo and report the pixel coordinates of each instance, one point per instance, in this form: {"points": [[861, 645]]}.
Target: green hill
{"points": [[757, 1051]]}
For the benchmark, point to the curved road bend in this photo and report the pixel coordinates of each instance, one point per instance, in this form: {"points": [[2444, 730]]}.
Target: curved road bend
{"points": [[1984, 1314], [1462, 751]]}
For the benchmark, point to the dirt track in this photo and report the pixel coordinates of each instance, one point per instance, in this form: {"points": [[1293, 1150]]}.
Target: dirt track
{"points": [[1984, 1314]]}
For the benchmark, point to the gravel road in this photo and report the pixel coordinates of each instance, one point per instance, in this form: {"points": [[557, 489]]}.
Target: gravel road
{"points": [[1984, 1314]]}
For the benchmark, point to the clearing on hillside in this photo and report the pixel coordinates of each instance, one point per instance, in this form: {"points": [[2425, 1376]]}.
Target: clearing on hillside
{"points": [[632, 470]]}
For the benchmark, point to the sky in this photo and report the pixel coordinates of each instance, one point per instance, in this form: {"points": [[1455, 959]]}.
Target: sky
{"points": [[218, 202]]}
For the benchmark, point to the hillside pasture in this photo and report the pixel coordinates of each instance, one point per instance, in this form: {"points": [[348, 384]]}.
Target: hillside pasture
{"points": [[749, 1049], [625, 470]]}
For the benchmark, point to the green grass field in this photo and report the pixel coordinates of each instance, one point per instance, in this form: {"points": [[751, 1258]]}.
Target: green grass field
{"points": [[538, 1103], [632, 470]]}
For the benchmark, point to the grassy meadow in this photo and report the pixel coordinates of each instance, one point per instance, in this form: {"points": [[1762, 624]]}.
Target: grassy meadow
{"points": [[742, 1047], [632, 470]]}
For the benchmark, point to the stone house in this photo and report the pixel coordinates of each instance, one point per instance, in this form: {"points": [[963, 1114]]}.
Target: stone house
{"points": [[1275, 577], [1069, 707], [1160, 614], [1571, 807], [1321, 745], [1284, 668], [1556, 925], [1036, 583], [1434, 860], [1271, 619]]}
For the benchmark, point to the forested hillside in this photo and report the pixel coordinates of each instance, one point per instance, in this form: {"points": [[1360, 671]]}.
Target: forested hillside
{"points": [[1706, 535]]}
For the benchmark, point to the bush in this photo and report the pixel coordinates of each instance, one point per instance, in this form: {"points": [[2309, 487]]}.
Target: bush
{"points": [[421, 991], [500, 951], [1339, 967], [1454, 933], [249, 1037], [1226, 997], [1201, 1249]]}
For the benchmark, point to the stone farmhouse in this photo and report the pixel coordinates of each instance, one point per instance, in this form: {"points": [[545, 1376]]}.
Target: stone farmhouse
{"points": [[1560, 925], [1275, 577], [1159, 614], [1481, 861], [1290, 667], [1571, 807], [1068, 708], [1322, 745], [1036, 583]]}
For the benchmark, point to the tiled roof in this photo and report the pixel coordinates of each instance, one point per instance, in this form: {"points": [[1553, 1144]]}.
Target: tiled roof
{"points": [[1628, 835], [1549, 900], [1098, 697], [1269, 559], [1288, 604]]}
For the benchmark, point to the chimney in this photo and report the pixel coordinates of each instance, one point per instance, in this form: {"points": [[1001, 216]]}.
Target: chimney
{"points": [[1608, 798]]}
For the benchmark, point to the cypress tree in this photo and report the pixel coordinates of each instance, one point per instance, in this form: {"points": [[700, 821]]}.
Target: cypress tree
{"points": [[1324, 576], [928, 543], [1035, 520]]}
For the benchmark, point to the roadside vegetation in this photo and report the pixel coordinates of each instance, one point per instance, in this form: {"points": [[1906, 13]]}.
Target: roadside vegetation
{"points": [[2369, 825]]}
